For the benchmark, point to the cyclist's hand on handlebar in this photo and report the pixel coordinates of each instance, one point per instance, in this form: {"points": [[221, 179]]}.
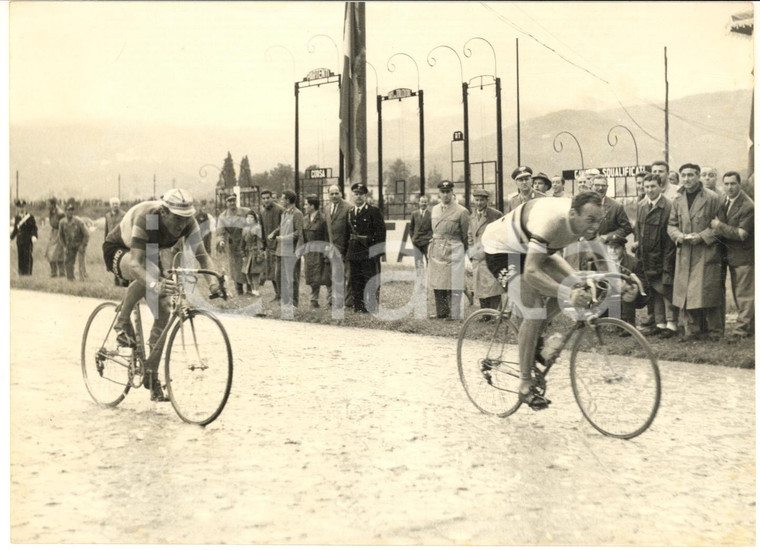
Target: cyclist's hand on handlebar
{"points": [[580, 297], [164, 287]]}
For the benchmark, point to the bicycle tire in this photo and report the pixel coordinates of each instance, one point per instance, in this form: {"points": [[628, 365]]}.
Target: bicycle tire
{"points": [[488, 362], [198, 385], [615, 378], [104, 368]]}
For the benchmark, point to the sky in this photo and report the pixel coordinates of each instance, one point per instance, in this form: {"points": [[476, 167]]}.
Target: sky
{"points": [[234, 64]]}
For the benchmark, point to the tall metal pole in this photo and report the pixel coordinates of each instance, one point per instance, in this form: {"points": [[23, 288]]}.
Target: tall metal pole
{"points": [[296, 183], [380, 154], [499, 154], [16, 184], [422, 143], [154, 186], [119, 188], [466, 147], [517, 69], [667, 121]]}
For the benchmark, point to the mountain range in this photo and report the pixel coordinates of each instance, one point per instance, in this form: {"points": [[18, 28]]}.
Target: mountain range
{"points": [[92, 160]]}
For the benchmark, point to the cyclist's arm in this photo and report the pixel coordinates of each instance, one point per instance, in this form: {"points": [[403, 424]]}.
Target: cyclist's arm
{"points": [[545, 271]]}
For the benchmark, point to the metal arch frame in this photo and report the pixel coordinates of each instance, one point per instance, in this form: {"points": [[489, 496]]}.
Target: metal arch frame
{"points": [[268, 57], [311, 49], [613, 144], [390, 67], [561, 145]]}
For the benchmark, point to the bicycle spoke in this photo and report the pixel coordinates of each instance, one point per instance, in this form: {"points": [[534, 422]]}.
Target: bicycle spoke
{"points": [[488, 362], [199, 368], [615, 378], [104, 368]]}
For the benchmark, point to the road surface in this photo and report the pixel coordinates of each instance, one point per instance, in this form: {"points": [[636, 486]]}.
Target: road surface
{"points": [[349, 436]]}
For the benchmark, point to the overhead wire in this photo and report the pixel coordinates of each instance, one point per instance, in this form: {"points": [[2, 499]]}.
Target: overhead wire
{"points": [[705, 127]]}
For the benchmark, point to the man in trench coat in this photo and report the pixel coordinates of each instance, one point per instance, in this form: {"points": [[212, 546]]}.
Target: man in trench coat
{"points": [[697, 280], [446, 253], [485, 287]]}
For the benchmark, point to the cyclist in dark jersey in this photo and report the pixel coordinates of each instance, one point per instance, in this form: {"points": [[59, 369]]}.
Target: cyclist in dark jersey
{"points": [[525, 241], [132, 252]]}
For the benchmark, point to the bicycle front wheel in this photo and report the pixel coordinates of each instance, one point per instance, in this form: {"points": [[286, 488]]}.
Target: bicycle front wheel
{"points": [[105, 366], [488, 362], [615, 378], [198, 367]]}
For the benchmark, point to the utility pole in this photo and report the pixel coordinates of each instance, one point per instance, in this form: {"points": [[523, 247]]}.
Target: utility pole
{"points": [[119, 189], [517, 68], [667, 121], [154, 185], [16, 184]]}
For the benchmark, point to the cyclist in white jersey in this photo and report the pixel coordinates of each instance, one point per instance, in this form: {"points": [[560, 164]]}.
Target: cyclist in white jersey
{"points": [[526, 241]]}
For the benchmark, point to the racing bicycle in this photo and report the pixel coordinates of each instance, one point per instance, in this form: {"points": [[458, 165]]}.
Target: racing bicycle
{"points": [[614, 373], [198, 363]]}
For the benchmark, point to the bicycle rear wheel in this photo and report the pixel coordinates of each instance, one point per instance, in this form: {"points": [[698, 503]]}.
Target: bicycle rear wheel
{"points": [[104, 367], [615, 378], [488, 362], [199, 367]]}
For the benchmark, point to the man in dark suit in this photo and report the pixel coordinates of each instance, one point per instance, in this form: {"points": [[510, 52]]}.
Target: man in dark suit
{"points": [[365, 245], [421, 231], [271, 215], [336, 218], [735, 226], [614, 219], [25, 233]]}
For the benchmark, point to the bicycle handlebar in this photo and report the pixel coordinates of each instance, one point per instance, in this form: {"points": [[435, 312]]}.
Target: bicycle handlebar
{"points": [[593, 278], [221, 293]]}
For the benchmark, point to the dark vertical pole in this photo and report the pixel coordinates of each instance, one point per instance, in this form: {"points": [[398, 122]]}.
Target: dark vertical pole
{"points": [[380, 154], [342, 158], [297, 181], [517, 68], [119, 188], [466, 147], [16, 184], [422, 144], [499, 153], [667, 121], [154, 185]]}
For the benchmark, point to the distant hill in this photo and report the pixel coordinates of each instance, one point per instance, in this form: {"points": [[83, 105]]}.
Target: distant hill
{"points": [[85, 160]]}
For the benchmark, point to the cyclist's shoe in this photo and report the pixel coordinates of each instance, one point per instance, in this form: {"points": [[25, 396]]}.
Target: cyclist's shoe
{"points": [[534, 400], [124, 339], [154, 385]]}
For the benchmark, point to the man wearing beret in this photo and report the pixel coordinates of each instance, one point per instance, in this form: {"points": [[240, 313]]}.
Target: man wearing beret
{"points": [[446, 252], [523, 176], [366, 244], [25, 233], [485, 287]]}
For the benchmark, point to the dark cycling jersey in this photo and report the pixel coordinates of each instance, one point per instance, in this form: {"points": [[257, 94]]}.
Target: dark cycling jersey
{"points": [[141, 226]]}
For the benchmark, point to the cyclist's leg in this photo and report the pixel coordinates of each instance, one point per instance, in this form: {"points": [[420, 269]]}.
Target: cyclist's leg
{"points": [[528, 333], [135, 290]]}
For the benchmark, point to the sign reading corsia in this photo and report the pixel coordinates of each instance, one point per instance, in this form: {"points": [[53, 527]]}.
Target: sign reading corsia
{"points": [[610, 172]]}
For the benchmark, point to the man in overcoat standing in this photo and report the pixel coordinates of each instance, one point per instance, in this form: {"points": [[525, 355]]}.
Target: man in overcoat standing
{"points": [[485, 287], [735, 226], [367, 231], [697, 285], [271, 215], [54, 251], [336, 218], [446, 253]]}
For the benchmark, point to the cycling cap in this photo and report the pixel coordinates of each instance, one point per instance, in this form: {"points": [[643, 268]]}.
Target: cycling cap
{"points": [[179, 202]]}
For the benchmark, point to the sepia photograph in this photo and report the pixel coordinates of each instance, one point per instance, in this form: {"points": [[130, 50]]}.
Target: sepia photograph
{"points": [[381, 273]]}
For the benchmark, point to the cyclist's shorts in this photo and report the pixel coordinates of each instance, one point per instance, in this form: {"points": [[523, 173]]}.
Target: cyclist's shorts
{"points": [[505, 266], [112, 254]]}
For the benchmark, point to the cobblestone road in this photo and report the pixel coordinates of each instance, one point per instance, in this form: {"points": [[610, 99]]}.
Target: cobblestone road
{"points": [[348, 436]]}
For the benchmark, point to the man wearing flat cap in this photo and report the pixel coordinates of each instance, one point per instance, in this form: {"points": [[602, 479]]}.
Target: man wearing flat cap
{"points": [[25, 233], [446, 252], [541, 185], [229, 227], [74, 238], [523, 176], [485, 287], [366, 244]]}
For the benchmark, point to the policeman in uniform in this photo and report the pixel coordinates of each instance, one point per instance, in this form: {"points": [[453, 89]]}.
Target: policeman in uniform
{"points": [[366, 229]]}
